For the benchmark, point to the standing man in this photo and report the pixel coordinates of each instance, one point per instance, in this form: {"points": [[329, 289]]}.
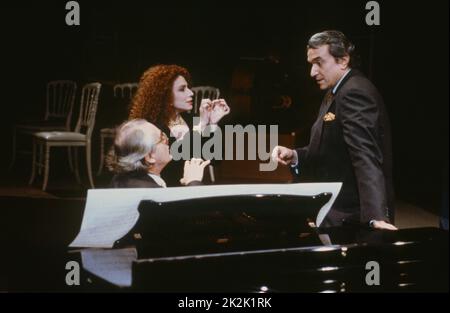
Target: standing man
{"points": [[350, 140]]}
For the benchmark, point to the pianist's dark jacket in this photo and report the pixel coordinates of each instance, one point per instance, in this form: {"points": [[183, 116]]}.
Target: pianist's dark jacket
{"points": [[138, 179]]}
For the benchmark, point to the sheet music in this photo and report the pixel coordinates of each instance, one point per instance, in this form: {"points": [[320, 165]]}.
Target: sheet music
{"points": [[112, 265], [111, 213]]}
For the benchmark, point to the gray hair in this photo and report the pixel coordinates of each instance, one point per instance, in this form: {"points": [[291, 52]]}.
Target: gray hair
{"points": [[131, 145], [338, 45]]}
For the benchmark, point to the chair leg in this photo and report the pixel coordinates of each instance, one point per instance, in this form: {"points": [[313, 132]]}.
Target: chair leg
{"points": [[69, 152], [46, 166], [88, 164], [13, 156], [77, 172], [102, 154], [211, 173], [41, 153], [33, 164]]}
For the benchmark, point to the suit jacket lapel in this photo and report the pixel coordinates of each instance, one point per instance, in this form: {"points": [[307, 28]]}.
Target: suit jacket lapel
{"points": [[316, 130], [329, 98]]}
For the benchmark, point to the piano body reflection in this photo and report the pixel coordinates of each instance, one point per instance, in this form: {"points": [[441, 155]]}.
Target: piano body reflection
{"points": [[253, 243]]}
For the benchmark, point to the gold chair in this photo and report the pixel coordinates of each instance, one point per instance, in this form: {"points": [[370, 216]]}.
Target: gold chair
{"points": [[60, 98]]}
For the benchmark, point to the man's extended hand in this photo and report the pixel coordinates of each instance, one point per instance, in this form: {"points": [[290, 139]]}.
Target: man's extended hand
{"points": [[283, 155], [383, 225]]}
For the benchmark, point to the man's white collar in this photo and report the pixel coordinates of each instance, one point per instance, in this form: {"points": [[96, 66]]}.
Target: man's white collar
{"points": [[340, 80]]}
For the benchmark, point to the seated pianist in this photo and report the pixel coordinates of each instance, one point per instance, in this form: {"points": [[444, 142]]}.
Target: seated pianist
{"points": [[141, 152]]}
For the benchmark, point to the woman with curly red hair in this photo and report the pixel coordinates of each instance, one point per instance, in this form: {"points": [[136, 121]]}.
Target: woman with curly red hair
{"points": [[165, 99]]}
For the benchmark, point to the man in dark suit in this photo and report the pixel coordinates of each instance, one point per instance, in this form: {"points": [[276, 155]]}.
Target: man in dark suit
{"points": [[350, 140], [141, 152]]}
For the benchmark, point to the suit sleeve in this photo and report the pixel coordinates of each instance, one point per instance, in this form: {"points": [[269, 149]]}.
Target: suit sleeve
{"points": [[359, 115], [301, 155]]}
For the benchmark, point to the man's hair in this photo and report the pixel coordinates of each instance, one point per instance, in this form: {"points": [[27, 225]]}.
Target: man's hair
{"points": [[131, 145], [338, 45]]}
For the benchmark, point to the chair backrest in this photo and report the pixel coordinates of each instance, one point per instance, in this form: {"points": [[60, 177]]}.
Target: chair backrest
{"points": [[204, 92], [125, 90], [60, 99], [88, 108]]}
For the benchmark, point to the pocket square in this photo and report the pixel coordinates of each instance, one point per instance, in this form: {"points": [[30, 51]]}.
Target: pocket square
{"points": [[329, 117]]}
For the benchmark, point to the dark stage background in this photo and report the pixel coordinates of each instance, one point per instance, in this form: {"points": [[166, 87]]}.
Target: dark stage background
{"points": [[406, 57]]}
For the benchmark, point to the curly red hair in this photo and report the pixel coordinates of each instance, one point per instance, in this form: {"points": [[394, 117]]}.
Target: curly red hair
{"points": [[154, 95]]}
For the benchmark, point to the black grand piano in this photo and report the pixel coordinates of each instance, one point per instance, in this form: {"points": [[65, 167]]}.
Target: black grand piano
{"points": [[250, 243]]}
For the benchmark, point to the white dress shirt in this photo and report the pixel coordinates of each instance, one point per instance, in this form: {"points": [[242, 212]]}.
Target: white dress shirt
{"points": [[158, 180]]}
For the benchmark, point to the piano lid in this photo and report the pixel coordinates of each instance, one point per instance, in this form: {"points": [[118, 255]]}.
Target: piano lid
{"points": [[202, 224]]}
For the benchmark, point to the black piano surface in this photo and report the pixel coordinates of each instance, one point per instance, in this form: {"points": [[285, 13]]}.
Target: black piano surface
{"points": [[307, 260]]}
